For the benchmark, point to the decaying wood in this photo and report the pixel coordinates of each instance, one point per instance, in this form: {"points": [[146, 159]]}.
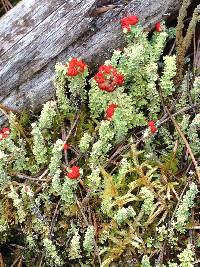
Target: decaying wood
{"points": [[6, 5], [36, 34]]}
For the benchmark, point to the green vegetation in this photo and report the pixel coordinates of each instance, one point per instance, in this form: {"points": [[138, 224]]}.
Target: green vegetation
{"points": [[108, 174]]}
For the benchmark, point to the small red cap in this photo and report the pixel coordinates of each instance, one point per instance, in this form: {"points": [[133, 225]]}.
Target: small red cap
{"points": [[66, 146], [158, 27], [74, 173], [151, 124]]}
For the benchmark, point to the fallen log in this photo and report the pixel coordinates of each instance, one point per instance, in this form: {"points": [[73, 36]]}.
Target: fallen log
{"points": [[36, 34]]}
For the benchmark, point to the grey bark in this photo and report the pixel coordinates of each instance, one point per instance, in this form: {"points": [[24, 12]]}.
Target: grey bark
{"points": [[36, 34]]}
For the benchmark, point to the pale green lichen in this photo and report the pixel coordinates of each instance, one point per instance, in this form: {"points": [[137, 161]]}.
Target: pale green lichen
{"points": [[145, 261], [166, 81], [85, 142], [186, 257], [68, 189], [75, 249], [183, 212], [51, 253], [55, 161], [30, 241], [123, 169], [94, 179], [48, 115], [193, 135], [88, 243], [13, 123], [90, 221], [56, 183], [195, 90], [60, 85], [157, 45], [18, 204], [123, 214], [148, 198], [4, 177], [103, 145], [39, 148]]}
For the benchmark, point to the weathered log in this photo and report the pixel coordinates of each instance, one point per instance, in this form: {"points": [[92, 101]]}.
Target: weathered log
{"points": [[36, 34]]}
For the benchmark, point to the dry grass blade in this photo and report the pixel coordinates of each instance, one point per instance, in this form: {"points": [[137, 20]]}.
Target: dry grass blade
{"points": [[186, 143], [196, 63], [16, 261], [1, 261]]}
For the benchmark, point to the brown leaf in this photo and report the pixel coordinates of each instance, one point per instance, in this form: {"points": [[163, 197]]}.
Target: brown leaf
{"points": [[109, 186]]}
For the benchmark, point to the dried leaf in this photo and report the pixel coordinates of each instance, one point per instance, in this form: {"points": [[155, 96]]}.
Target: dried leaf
{"points": [[109, 186]]}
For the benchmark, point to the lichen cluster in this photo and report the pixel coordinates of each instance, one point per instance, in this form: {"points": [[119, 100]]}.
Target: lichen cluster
{"points": [[103, 177]]}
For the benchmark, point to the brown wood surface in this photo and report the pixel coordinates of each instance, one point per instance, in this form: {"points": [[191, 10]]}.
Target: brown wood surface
{"points": [[36, 34]]}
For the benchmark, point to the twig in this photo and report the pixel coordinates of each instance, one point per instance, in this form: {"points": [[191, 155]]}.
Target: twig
{"points": [[81, 210], [186, 143], [196, 63], [1, 260], [160, 257], [17, 246], [197, 261], [55, 215], [172, 48], [42, 257], [74, 160], [87, 223], [72, 128], [74, 150], [38, 179], [65, 151], [43, 174], [83, 185], [194, 227], [120, 150], [15, 261], [41, 187], [25, 177], [117, 152], [20, 263], [94, 240], [165, 118], [4, 112]]}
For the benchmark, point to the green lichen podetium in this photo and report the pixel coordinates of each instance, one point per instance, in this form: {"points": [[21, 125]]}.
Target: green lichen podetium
{"points": [[145, 262], [51, 253], [48, 115], [75, 250], [186, 257], [60, 86], [183, 212], [88, 243], [39, 147]]}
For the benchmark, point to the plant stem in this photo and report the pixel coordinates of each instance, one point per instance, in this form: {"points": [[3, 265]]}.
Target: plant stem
{"points": [[186, 143]]}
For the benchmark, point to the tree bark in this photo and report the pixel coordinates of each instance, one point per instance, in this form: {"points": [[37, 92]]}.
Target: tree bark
{"points": [[36, 34]]}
